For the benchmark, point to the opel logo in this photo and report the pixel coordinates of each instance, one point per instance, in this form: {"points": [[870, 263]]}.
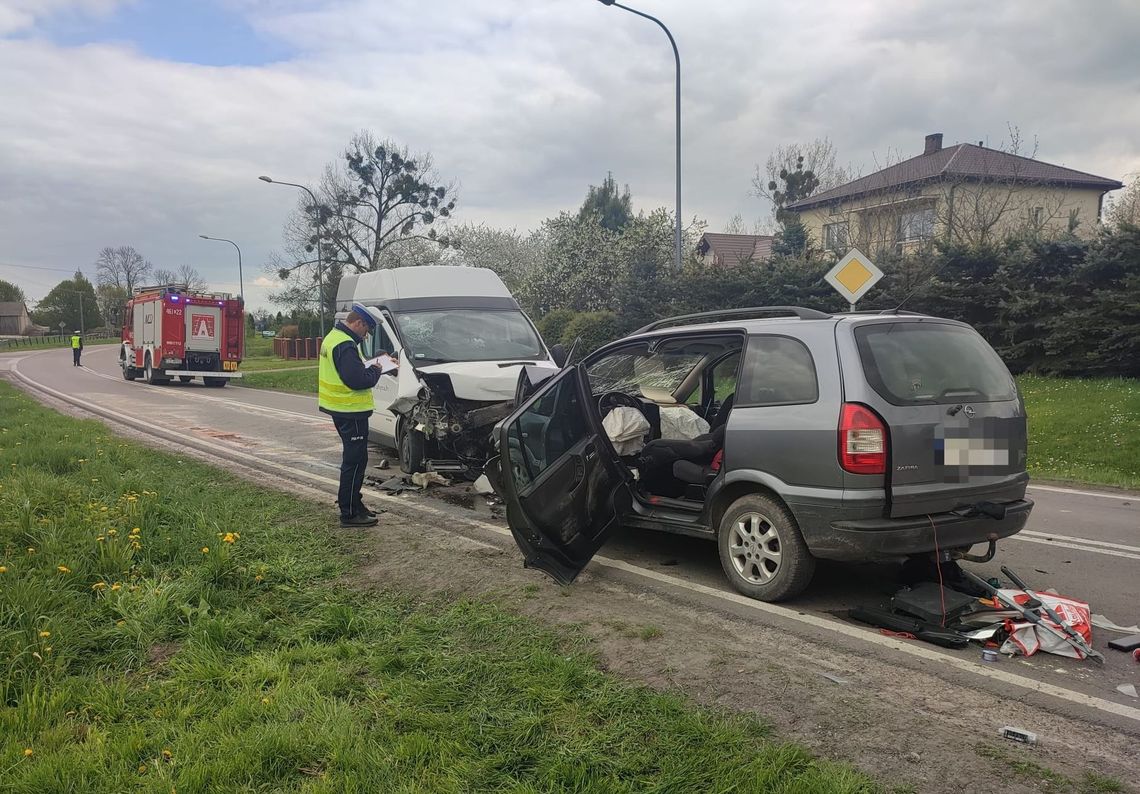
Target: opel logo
{"points": [[968, 411]]}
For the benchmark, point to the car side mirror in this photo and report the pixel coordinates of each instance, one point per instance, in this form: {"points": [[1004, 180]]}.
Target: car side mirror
{"points": [[559, 354]]}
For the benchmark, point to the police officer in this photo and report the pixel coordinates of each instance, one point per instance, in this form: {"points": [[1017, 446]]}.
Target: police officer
{"points": [[344, 391], [76, 347]]}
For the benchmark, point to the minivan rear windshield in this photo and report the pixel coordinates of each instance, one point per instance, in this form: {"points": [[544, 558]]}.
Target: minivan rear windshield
{"points": [[911, 363], [468, 335]]}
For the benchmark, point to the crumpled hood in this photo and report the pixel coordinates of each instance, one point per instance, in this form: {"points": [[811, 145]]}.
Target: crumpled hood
{"points": [[485, 381]]}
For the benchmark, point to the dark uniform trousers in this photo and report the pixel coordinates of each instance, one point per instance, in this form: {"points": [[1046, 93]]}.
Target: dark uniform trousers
{"points": [[353, 430]]}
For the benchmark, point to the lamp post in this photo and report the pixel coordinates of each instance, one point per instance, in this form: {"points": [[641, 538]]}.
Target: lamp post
{"points": [[677, 58], [320, 271], [241, 284]]}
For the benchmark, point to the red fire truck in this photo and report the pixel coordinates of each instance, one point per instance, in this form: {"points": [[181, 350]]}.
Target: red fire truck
{"points": [[170, 332]]}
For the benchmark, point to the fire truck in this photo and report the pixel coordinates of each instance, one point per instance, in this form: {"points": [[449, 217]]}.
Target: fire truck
{"points": [[171, 332]]}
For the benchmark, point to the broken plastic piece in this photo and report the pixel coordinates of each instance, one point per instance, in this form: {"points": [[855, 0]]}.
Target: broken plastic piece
{"points": [[1128, 689], [425, 478], [483, 485], [1018, 735]]}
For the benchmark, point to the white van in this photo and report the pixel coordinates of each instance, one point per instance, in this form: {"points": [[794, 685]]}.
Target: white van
{"points": [[461, 340]]}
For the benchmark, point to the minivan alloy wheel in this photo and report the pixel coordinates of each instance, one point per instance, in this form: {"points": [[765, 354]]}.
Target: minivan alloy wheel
{"points": [[754, 548]]}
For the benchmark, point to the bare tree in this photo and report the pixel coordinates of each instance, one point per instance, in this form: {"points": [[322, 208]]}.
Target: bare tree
{"points": [[186, 275], [818, 157], [1124, 208], [122, 267]]}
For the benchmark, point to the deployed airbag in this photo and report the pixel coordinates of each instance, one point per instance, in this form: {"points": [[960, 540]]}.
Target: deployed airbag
{"points": [[627, 428], [681, 423]]}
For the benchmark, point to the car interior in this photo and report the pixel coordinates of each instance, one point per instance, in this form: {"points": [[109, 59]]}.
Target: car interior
{"points": [[684, 387]]}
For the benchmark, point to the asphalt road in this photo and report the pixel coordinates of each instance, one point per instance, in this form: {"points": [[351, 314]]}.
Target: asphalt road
{"points": [[1080, 542]]}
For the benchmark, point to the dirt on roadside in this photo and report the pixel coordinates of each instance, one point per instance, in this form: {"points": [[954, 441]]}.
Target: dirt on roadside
{"points": [[909, 730]]}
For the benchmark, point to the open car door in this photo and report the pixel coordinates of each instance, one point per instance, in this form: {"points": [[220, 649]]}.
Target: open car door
{"points": [[565, 491]]}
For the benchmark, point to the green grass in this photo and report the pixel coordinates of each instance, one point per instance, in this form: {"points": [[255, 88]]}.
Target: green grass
{"points": [[301, 381], [1084, 431], [1044, 779], [259, 364], [182, 661]]}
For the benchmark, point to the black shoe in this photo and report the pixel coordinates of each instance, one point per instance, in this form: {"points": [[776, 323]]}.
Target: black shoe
{"points": [[359, 521], [361, 510]]}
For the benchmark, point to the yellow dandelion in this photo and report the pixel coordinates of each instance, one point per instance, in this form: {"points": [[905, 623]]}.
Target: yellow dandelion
{"points": [[205, 549], [63, 569], [229, 537], [265, 700], [28, 752], [100, 539], [142, 769], [120, 622], [31, 549], [47, 649], [116, 586], [166, 754], [112, 531], [45, 634], [98, 585], [3, 569], [257, 578]]}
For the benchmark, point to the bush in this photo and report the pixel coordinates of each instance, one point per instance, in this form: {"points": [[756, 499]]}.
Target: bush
{"points": [[289, 332], [594, 329], [553, 325]]}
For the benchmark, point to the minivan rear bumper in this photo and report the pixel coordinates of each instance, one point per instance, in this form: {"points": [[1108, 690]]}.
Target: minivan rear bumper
{"points": [[879, 538]]}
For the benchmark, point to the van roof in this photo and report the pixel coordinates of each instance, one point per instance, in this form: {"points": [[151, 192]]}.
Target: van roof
{"points": [[432, 281]]}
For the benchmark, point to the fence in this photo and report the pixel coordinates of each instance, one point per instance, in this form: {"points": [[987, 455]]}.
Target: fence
{"points": [[299, 348], [55, 340]]}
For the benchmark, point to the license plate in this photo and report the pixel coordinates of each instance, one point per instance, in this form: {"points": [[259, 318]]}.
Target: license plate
{"points": [[229, 366]]}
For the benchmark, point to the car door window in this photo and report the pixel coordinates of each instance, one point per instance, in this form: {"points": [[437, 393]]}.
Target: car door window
{"points": [[724, 378], [778, 370], [545, 431]]}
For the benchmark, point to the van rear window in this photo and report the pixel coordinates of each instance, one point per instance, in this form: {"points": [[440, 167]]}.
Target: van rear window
{"points": [[913, 363]]}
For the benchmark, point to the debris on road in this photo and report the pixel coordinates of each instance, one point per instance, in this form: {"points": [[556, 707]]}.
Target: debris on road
{"points": [[483, 485], [921, 630], [1128, 689], [989, 655], [1130, 643], [423, 479], [1018, 735], [382, 464], [396, 484], [832, 677], [932, 603]]}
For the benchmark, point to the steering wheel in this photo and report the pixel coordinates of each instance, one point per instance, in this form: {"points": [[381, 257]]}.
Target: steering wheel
{"points": [[616, 399]]}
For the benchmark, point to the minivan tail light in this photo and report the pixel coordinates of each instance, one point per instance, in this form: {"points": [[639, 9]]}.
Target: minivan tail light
{"points": [[862, 440]]}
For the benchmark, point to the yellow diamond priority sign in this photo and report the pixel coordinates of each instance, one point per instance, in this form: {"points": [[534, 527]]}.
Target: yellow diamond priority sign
{"points": [[853, 275]]}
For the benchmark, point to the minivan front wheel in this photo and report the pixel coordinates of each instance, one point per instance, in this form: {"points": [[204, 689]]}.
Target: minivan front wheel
{"points": [[762, 551]]}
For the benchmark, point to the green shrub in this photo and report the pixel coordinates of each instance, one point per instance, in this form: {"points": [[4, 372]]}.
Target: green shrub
{"points": [[594, 329], [553, 325]]}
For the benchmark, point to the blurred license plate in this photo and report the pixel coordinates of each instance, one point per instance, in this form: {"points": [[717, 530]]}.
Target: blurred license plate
{"points": [[975, 452]]}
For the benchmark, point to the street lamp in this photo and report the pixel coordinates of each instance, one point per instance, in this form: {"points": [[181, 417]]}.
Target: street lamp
{"points": [[320, 271], [677, 58], [241, 284]]}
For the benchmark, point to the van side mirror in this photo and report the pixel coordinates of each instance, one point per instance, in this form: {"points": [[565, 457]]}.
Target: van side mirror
{"points": [[559, 354]]}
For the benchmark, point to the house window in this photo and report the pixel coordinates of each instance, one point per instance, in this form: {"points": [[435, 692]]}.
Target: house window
{"points": [[916, 225], [835, 236], [834, 209], [1036, 215]]}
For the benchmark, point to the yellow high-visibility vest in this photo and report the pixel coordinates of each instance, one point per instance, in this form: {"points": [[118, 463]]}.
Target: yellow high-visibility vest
{"points": [[75, 342], [332, 394]]}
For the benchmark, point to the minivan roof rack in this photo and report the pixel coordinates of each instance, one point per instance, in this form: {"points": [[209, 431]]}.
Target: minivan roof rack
{"points": [[798, 311], [880, 312]]}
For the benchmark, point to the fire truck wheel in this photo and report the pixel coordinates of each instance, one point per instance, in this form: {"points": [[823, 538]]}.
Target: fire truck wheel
{"points": [[149, 374], [215, 383], [129, 372]]}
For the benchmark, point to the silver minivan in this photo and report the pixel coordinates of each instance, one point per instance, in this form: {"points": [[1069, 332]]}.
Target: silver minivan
{"points": [[850, 437]]}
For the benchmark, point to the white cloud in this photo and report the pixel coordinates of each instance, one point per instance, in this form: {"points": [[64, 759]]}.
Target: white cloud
{"points": [[265, 281], [20, 15], [524, 105]]}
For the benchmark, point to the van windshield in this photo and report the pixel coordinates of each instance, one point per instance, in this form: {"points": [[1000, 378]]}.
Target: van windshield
{"points": [[468, 335], [914, 363]]}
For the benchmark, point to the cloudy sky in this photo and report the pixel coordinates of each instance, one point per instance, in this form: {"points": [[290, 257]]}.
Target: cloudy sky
{"points": [[147, 122]]}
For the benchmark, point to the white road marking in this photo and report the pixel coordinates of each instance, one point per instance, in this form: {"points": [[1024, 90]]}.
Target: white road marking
{"points": [[1075, 546], [1070, 539], [1073, 491], [816, 621]]}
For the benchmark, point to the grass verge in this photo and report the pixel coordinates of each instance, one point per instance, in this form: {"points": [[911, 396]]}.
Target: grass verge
{"points": [[1084, 430], [299, 381], [165, 627]]}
